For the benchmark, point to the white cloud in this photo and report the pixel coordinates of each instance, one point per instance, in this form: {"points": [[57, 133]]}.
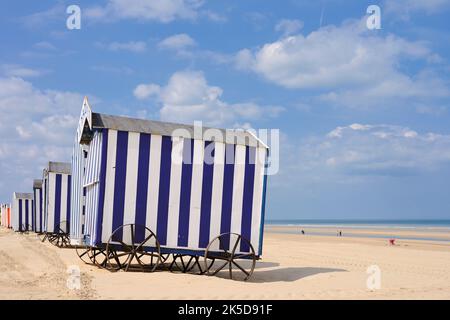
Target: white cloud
{"points": [[177, 42], [14, 70], [132, 46], [156, 10], [374, 150], [143, 91], [188, 97], [348, 65], [403, 8], [288, 27], [37, 126]]}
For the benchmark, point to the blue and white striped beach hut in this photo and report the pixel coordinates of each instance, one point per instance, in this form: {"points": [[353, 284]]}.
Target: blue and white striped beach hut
{"points": [[38, 211], [22, 212], [57, 183], [187, 185]]}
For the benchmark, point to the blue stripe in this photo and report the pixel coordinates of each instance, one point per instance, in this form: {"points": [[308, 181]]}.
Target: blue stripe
{"points": [[69, 190], [57, 220], [185, 196], [27, 222], [164, 190], [33, 211], [45, 211], [227, 194], [142, 184], [247, 204], [20, 215], [263, 208], [120, 183], [207, 187], [101, 200], [40, 211]]}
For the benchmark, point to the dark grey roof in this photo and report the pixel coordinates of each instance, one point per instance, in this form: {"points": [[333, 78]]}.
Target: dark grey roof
{"points": [[59, 167], [21, 195], [230, 136], [37, 184]]}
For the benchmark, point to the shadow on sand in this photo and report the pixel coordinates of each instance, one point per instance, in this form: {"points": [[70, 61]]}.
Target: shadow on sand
{"points": [[288, 274]]}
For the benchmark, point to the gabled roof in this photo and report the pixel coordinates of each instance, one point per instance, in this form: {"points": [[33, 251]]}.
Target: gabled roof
{"points": [[121, 123]]}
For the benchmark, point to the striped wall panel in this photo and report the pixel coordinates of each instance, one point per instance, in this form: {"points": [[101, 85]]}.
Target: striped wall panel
{"points": [[22, 212], [182, 189], [38, 210], [57, 200]]}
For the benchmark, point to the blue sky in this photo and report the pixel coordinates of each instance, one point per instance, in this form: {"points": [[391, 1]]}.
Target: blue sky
{"points": [[364, 115]]}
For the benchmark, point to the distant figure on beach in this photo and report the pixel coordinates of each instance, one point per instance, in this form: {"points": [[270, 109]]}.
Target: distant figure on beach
{"points": [[340, 233], [303, 231]]}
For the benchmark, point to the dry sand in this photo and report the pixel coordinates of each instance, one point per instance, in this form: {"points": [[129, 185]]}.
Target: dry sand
{"points": [[293, 267]]}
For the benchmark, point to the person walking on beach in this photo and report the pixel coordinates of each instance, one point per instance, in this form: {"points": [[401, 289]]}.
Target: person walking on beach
{"points": [[303, 232], [340, 233]]}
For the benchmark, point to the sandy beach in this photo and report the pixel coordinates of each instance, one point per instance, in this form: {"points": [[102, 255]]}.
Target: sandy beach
{"points": [[293, 267]]}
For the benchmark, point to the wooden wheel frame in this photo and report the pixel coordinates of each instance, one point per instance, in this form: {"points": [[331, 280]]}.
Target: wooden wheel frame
{"points": [[179, 263], [83, 253], [92, 255], [61, 237], [227, 257], [26, 228], [121, 256]]}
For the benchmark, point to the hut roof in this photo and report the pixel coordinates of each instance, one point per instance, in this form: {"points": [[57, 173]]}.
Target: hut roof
{"points": [[21, 195], [59, 167], [231, 136], [37, 184]]}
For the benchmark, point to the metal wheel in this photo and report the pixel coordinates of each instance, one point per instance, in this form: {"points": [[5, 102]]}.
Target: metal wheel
{"points": [[61, 237], [98, 257], [26, 228], [233, 251], [133, 247], [83, 253]]}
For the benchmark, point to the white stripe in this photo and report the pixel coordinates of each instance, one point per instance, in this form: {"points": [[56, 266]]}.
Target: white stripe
{"points": [[175, 190], [153, 182], [216, 200], [51, 202], [129, 215], [257, 197], [30, 212], [196, 194], [64, 180], [109, 189], [238, 190]]}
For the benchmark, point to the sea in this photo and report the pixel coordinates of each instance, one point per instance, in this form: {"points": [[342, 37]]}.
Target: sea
{"points": [[389, 227]]}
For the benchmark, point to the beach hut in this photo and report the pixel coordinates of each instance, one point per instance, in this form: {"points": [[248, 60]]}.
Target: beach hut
{"points": [[22, 209], [57, 202], [154, 189], [5, 213], [38, 216]]}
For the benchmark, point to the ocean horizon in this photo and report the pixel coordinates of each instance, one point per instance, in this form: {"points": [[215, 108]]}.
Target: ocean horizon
{"points": [[362, 223]]}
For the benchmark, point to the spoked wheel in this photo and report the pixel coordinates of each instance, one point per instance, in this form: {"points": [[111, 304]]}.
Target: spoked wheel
{"points": [[98, 257], [133, 247], [25, 228], [83, 253], [61, 237], [233, 251], [42, 236], [185, 263]]}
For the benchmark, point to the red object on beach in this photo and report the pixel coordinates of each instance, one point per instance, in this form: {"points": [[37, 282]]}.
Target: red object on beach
{"points": [[392, 242]]}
